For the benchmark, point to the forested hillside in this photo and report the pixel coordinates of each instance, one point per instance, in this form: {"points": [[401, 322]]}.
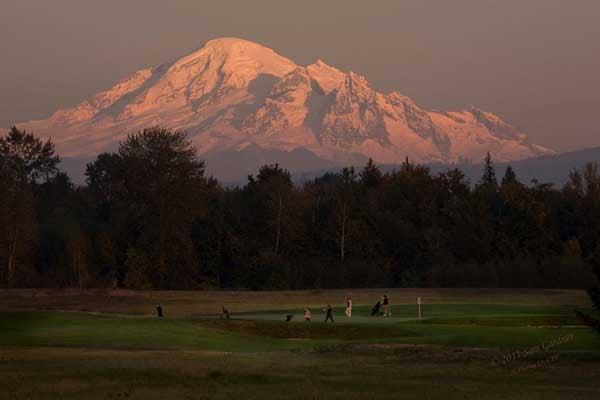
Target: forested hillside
{"points": [[149, 217]]}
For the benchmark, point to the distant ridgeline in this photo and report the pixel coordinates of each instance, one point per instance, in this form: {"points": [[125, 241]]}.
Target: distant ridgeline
{"points": [[233, 167], [552, 169], [151, 217]]}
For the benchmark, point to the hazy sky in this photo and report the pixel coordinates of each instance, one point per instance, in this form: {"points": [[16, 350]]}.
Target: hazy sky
{"points": [[536, 63]]}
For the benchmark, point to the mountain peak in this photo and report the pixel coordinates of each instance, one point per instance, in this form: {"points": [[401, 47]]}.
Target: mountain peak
{"points": [[232, 92], [228, 41], [234, 56], [233, 46]]}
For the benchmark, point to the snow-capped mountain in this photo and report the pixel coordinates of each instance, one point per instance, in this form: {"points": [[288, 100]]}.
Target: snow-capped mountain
{"points": [[233, 94]]}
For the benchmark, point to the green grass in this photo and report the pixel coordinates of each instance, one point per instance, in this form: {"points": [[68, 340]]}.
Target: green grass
{"points": [[452, 353], [337, 374], [71, 329]]}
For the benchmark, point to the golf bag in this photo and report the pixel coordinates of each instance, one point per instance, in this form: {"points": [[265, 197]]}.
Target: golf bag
{"points": [[376, 310]]}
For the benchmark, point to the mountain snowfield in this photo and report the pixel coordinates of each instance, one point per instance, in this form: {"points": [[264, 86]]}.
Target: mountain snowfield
{"points": [[234, 94]]}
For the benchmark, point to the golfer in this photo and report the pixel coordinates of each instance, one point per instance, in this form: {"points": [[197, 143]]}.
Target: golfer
{"points": [[307, 315], [386, 306], [224, 312], [329, 315], [349, 307]]}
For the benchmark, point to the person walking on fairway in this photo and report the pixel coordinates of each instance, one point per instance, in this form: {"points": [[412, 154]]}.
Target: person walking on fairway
{"points": [[224, 312], [329, 315], [386, 306], [307, 315], [349, 307]]}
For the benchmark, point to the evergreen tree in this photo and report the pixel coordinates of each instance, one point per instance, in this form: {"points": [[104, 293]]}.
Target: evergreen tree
{"points": [[488, 180], [510, 177], [371, 175]]}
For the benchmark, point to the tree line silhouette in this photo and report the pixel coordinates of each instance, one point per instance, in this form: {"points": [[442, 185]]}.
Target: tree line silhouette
{"points": [[150, 217]]}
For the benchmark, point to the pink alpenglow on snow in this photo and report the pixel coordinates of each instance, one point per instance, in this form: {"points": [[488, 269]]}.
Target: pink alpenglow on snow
{"points": [[232, 93]]}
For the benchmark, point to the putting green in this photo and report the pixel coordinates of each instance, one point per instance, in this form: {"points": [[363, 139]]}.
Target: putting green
{"points": [[484, 325]]}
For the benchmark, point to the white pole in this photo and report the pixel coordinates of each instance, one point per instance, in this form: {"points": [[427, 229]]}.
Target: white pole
{"points": [[419, 303]]}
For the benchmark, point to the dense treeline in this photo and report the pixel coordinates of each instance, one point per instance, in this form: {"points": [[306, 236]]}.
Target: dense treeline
{"points": [[149, 217]]}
